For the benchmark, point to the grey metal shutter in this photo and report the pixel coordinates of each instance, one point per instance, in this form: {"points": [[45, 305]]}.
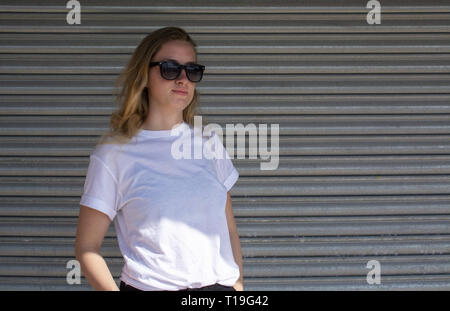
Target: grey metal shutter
{"points": [[364, 115]]}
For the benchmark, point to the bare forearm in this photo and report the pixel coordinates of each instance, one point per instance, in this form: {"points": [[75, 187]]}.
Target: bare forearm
{"points": [[96, 271], [237, 253], [235, 242]]}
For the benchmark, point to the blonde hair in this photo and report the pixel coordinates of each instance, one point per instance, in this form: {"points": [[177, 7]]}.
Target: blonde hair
{"points": [[132, 97]]}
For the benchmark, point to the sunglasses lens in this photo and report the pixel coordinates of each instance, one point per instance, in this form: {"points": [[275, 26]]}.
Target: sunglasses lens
{"points": [[194, 73], [170, 71]]}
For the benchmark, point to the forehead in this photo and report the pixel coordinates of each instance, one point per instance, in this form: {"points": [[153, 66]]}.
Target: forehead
{"points": [[181, 51]]}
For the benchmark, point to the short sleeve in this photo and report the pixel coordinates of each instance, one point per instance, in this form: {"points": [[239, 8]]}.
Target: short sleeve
{"points": [[226, 172], [100, 188]]}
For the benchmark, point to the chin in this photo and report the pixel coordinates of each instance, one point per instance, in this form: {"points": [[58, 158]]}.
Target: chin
{"points": [[180, 104]]}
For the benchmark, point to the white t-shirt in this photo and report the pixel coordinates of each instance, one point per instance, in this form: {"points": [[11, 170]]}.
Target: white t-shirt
{"points": [[169, 213]]}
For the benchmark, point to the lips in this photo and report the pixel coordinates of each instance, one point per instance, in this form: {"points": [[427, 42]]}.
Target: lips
{"points": [[180, 92]]}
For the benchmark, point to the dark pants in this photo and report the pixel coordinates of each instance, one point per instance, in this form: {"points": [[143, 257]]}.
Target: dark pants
{"points": [[215, 287]]}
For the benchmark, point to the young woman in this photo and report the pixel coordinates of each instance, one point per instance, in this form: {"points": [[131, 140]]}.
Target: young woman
{"points": [[173, 216]]}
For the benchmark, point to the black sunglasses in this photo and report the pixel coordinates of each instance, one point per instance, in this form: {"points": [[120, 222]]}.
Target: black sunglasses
{"points": [[170, 70]]}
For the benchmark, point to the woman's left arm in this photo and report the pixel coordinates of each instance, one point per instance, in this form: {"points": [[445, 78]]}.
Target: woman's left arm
{"points": [[235, 242]]}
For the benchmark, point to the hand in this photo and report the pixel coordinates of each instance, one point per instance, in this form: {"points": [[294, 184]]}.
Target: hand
{"points": [[239, 286]]}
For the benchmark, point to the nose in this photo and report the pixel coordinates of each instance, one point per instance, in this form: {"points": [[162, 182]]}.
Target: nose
{"points": [[182, 77]]}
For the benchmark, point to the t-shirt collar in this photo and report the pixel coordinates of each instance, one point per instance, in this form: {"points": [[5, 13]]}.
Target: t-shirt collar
{"points": [[175, 132]]}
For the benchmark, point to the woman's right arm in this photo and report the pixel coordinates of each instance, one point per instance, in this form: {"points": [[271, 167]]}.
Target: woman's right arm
{"points": [[92, 227]]}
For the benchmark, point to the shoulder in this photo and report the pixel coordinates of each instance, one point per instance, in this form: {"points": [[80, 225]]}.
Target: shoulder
{"points": [[107, 153]]}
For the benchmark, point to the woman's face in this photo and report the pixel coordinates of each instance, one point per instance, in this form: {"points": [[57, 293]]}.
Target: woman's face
{"points": [[171, 95]]}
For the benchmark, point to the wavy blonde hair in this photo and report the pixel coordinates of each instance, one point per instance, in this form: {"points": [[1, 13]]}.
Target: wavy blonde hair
{"points": [[132, 97]]}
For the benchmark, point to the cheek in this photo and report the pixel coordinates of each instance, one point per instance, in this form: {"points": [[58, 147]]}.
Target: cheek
{"points": [[158, 87], [192, 96]]}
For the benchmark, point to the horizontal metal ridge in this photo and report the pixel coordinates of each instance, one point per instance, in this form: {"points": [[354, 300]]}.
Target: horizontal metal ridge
{"points": [[250, 18], [251, 227], [221, 6], [259, 186], [299, 267], [345, 246], [293, 206], [257, 81], [240, 86], [350, 41], [288, 124], [288, 166], [262, 267], [225, 81], [350, 165], [256, 247], [342, 185], [328, 145], [350, 283], [340, 206], [339, 229], [357, 26], [398, 282], [223, 59], [347, 219], [233, 49], [240, 104], [228, 38], [244, 69], [219, 20], [26, 283]]}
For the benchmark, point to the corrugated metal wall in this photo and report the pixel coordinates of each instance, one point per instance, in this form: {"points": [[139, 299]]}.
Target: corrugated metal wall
{"points": [[364, 115]]}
